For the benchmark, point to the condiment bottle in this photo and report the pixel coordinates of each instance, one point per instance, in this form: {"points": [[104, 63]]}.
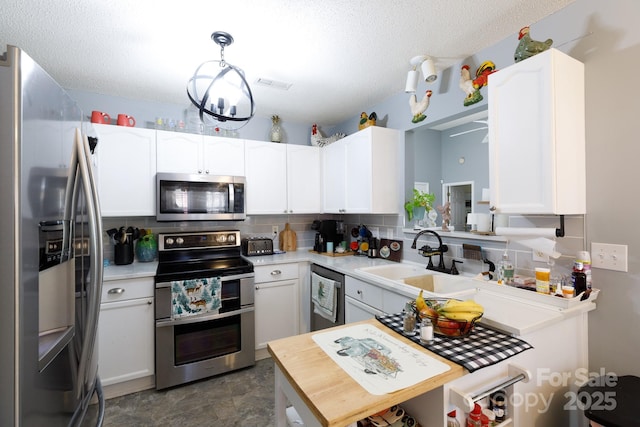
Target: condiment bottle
{"points": [[579, 278], [452, 421], [426, 331], [498, 405], [409, 320], [474, 418], [585, 258]]}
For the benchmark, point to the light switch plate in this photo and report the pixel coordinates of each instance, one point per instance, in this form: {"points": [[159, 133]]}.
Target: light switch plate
{"points": [[609, 256]]}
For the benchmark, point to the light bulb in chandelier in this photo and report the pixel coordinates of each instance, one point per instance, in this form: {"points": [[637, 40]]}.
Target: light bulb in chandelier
{"points": [[220, 90]]}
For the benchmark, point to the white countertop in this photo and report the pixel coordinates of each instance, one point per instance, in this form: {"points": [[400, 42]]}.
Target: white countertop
{"points": [[513, 310]]}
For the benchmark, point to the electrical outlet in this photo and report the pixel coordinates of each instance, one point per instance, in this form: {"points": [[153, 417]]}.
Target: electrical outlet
{"points": [[540, 256], [389, 233], [274, 231], [608, 256]]}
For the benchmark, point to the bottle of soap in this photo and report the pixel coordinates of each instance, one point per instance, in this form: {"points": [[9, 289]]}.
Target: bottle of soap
{"points": [[505, 270]]}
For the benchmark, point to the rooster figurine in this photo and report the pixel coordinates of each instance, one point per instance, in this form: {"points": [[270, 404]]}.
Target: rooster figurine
{"points": [[320, 141], [365, 121], [467, 86], [528, 47], [418, 108]]}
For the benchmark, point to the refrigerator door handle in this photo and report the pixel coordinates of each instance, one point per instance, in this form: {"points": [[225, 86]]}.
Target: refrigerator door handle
{"points": [[94, 289]]}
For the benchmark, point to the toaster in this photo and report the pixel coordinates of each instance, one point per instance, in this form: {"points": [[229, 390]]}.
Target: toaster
{"points": [[255, 246]]}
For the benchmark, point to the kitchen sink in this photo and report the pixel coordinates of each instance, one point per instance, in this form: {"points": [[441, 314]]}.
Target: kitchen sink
{"points": [[421, 278], [440, 284], [394, 272]]}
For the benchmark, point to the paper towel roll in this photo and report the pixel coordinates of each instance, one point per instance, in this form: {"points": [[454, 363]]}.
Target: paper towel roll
{"points": [[525, 231]]}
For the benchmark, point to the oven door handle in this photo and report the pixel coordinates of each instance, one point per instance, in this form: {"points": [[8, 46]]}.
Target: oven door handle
{"points": [[222, 279], [203, 318]]}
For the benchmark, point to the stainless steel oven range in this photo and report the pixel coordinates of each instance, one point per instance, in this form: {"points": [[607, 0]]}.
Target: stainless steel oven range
{"points": [[204, 293]]}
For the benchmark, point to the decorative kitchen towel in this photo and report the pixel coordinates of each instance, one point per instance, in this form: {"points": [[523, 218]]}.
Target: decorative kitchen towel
{"points": [[483, 347], [195, 296], [324, 296]]}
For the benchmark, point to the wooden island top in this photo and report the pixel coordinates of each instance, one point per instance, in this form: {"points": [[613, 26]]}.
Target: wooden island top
{"points": [[328, 392]]}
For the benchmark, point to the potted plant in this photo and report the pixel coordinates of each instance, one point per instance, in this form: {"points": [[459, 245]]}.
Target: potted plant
{"points": [[420, 199]]}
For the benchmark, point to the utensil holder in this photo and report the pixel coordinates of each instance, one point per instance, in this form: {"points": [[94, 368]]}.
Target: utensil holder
{"points": [[123, 253]]}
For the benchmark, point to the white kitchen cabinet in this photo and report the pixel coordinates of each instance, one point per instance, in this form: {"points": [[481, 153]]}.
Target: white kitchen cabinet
{"points": [[126, 336], [364, 300], [125, 161], [193, 153], [223, 156], [537, 136], [303, 179], [282, 178], [276, 303], [360, 172]]}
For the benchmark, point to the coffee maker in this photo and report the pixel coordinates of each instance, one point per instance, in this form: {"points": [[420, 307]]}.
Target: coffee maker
{"points": [[329, 230]]}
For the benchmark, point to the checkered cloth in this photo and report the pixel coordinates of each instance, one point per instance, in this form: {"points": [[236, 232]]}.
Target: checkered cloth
{"points": [[483, 347]]}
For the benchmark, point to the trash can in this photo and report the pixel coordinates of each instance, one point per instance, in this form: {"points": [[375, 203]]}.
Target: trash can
{"points": [[611, 401]]}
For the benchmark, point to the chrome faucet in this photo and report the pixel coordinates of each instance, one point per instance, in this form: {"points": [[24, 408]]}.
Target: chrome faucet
{"points": [[428, 251]]}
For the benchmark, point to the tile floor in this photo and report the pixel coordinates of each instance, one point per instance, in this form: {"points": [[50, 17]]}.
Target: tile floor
{"points": [[241, 398]]}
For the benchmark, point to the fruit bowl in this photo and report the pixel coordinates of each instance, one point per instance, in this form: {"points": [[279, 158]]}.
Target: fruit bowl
{"points": [[448, 327]]}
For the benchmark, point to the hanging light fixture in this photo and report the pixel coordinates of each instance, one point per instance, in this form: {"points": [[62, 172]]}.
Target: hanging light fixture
{"points": [[220, 91], [428, 68]]}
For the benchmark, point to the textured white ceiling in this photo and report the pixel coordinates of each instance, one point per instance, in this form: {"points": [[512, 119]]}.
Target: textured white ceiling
{"points": [[339, 55]]}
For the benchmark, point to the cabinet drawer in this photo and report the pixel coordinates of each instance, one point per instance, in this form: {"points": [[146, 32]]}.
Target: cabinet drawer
{"points": [[119, 290], [364, 292], [271, 273]]}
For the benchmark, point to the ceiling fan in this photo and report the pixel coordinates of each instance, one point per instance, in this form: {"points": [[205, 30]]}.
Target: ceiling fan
{"points": [[486, 137]]}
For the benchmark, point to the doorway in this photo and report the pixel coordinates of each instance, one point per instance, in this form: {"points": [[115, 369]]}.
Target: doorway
{"points": [[460, 198]]}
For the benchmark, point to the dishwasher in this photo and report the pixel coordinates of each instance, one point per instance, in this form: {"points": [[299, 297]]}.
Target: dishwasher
{"points": [[326, 282]]}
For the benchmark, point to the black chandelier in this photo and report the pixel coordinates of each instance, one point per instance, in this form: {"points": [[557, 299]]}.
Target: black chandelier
{"points": [[220, 91]]}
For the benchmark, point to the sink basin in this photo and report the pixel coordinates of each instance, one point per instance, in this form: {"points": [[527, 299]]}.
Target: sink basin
{"points": [[421, 278], [394, 272], [440, 284]]}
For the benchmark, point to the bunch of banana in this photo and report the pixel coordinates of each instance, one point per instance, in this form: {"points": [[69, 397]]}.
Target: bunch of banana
{"points": [[461, 310], [420, 302]]}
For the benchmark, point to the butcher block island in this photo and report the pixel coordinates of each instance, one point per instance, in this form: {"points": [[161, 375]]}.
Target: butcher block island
{"points": [[324, 394]]}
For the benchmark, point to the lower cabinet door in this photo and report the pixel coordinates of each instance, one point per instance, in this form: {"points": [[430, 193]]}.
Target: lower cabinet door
{"points": [[277, 311], [126, 340], [355, 311]]}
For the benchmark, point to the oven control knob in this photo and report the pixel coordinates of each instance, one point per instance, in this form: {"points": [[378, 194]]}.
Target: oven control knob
{"points": [[169, 241], [231, 238], [179, 240], [221, 238]]}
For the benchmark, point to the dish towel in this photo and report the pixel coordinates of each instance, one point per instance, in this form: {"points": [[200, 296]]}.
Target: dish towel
{"points": [[195, 296], [324, 297]]}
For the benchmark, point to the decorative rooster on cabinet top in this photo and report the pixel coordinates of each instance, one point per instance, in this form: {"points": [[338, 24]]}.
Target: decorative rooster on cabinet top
{"points": [[418, 108], [320, 141], [365, 121], [527, 47]]}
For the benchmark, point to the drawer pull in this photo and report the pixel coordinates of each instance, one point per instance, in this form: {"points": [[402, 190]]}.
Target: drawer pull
{"points": [[114, 291], [276, 272], [359, 292]]}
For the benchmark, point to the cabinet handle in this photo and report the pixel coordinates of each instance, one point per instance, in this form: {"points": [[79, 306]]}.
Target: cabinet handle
{"points": [[257, 288], [113, 291], [359, 292], [276, 272], [149, 302]]}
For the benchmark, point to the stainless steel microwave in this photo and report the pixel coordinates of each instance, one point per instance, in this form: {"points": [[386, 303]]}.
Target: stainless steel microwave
{"points": [[195, 197]]}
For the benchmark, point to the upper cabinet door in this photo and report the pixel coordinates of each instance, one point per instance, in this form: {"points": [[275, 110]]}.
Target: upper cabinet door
{"points": [[179, 152], [334, 167], [303, 179], [537, 136], [126, 165], [223, 156], [266, 173]]}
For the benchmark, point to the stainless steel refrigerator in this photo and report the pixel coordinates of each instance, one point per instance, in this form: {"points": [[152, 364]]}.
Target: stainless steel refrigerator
{"points": [[50, 254]]}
